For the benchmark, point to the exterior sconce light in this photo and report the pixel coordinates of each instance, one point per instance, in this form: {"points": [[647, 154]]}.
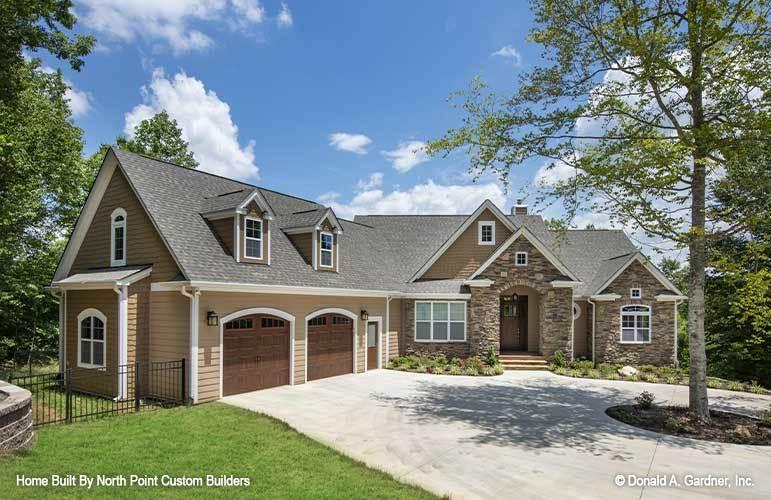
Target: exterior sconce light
{"points": [[364, 315], [212, 318]]}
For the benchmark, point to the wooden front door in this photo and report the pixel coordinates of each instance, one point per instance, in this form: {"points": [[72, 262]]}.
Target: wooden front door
{"points": [[513, 314], [255, 354], [372, 341], [330, 346]]}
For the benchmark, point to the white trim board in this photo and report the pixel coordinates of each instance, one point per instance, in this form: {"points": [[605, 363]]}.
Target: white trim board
{"points": [[487, 204], [529, 236], [639, 257]]}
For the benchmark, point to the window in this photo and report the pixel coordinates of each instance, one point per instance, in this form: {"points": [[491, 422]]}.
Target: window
{"points": [[487, 233], [253, 238], [635, 324], [91, 339], [635, 293], [341, 320], [326, 249], [576, 311], [240, 324], [118, 237], [272, 323], [318, 321], [440, 321], [520, 259]]}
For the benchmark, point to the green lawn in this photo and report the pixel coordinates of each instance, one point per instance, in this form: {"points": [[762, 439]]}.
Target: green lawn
{"points": [[211, 439]]}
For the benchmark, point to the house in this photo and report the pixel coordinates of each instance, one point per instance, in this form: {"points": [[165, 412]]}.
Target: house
{"points": [[261, 288]]}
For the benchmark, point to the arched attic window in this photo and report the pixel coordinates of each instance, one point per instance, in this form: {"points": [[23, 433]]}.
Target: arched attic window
{"points": [[118, 237]]}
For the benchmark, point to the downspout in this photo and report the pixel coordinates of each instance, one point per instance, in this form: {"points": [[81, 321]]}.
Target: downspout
{"points": [[676, 360], [61, 294], [122, 292], [388, 330], [193, 353], [594, 308]]}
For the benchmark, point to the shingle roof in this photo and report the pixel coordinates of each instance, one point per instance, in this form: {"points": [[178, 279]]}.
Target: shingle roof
{"points": [[378, 252], [105, 275]]}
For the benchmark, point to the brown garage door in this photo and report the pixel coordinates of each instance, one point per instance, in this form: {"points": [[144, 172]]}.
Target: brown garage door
{"points": [[330, 346], [255, 354]]}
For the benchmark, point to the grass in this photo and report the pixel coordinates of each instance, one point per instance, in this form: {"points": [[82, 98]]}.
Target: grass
{"points": [[648, 373], [438, 364], [211, 439]]}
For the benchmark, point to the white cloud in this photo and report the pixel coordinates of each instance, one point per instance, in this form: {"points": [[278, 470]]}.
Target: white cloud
{"points": [[428, 198], [375, 180], [509, 52], [205, 122], [552, 173], [284, 19], [168, 20], [353, 143], [407, 155]]}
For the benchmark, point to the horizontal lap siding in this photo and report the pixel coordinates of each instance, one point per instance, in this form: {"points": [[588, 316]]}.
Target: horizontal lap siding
{"points": [[395, 328], [169, 335], [298, 306]]}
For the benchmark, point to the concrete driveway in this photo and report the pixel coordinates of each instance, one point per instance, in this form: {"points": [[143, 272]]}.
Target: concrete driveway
{"points": [[518, 435]]}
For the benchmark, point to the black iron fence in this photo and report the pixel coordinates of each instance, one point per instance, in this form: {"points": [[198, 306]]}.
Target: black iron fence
{"points": [[78, 394]]}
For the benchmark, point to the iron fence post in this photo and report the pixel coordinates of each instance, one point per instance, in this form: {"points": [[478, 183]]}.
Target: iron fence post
{"points": [[136, 387], [182, 382], [68, 399]]}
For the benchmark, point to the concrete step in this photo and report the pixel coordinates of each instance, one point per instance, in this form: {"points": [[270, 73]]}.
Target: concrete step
{"points": [[515, 367]]}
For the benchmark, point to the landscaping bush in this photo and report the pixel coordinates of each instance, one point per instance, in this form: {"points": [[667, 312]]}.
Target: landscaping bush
{"points": [[438, 364], [559, 360], [492, 359], [645, 400]]}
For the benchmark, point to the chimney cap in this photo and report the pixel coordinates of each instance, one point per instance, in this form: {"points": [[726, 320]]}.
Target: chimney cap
{"points": [[519, 209]]}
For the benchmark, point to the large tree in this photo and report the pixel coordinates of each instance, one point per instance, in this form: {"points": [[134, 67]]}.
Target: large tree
{"points": [[160, 137], [640, 106]]}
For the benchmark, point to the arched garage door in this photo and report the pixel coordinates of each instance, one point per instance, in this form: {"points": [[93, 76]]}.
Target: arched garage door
{"points": [[330, 346], [255, 354]]}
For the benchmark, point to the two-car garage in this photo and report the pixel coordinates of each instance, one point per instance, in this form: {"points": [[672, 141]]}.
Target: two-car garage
{"points": [[256, 350]]}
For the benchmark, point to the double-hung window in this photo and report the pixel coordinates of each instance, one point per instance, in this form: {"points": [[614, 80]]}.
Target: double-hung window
{"points": [[91, 332], [486, 234], [327, 240], [253, 238], [440, 321], [635, 324]]}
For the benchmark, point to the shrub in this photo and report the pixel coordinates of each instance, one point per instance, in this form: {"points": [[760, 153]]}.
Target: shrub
{"points": [[560, 370], [583, 366], [492, 359], [498, 369], [470, 371], [673, 424], [559, 360], [735, 386], [645, 400], [458, 362], [489, 370], [593, 374], [755, 388], [456, 370], [474, 363], [648, 369]]}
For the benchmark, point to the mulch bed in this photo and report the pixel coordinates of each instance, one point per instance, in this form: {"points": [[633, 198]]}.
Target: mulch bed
{"points": [[723, 427]]}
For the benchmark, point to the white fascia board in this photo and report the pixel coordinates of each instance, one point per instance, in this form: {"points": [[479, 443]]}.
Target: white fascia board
{"points": [[487, 204], [529, 236], [605, 297], [565, 284], [214, 286], [329, 214], [670, 298], [484, 283], [433, 296], [137, 276], [103, 285], [86, 215], [261, 201], [639, 257]]}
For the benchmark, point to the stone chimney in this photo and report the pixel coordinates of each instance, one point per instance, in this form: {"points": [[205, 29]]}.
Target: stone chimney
{"points": [[519, 208]]}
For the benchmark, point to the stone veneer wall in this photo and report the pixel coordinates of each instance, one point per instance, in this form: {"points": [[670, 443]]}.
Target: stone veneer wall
{"points": [[555, 304], [660, 350], [15, 418], [449, 349]]}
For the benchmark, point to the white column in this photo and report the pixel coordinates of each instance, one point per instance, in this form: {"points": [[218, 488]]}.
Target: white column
{"points": [[62, 329], [122, 341], [193, 353]]}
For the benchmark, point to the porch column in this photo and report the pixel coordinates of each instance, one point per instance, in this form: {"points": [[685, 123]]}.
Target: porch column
{"points": [[122, 292]]}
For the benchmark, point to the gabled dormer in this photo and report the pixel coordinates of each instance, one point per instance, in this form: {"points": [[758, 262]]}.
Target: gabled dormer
{"points": [[241, 220], [316, 235]]}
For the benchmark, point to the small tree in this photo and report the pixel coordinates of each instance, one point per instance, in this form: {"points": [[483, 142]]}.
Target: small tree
{"points": [[643, 104], [160, 137]]}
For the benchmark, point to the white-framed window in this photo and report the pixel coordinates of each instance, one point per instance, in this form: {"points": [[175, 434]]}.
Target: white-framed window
{"points": [[92, 330], [486, 234], [118, 237], [576, 311], [635, 293], [440, 321], [635, 324], [520, 259], [253, 238], [327, 249]]}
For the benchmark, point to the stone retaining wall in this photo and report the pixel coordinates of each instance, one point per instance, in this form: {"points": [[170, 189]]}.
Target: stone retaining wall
{"points": [[15, 418]]}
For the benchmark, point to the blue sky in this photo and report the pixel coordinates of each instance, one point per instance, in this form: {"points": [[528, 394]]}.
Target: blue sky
{"points": [[260, 87]]}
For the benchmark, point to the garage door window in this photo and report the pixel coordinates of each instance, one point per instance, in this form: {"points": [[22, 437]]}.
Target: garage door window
{"points": [[440, 321]]}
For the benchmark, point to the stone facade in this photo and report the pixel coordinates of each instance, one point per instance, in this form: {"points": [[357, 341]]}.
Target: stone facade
{"points": [[661, 348], [556, 318], [15, 418]]}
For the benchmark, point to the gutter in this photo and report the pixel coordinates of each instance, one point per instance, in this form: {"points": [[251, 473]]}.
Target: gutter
{"points": [[594, 308], [193, 352]]}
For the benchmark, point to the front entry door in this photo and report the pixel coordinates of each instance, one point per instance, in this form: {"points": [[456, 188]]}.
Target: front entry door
{"points": [[513, 314], [372, 340]]}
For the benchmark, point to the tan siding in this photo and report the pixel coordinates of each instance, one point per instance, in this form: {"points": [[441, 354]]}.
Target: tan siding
{"points": [[265, 247], [298, 306], [395, 330], [225, 231], [143, 244], [581, 342], [303, 242], [465, 255], [169, 335]]}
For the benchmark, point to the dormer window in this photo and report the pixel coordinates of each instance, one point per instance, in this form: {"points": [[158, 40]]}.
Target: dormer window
{"points": [[327, 249], [253, 238], [118, 237], [520, 259], [486, 233]]}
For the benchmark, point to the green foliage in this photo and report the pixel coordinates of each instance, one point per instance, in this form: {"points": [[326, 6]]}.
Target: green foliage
{"points": [[559, 360], [43, 183], [492, 359], [160, 137], [31, 25], [645, 400], [439, 364]]}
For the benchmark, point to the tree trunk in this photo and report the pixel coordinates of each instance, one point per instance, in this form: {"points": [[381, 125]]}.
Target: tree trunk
{"points": [[697, 393]]}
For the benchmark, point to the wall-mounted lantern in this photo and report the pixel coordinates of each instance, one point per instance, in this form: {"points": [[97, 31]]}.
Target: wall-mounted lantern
{"points": [[364, 315], [212, 318]]}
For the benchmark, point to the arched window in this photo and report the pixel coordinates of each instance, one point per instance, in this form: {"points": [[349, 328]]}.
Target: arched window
{"points": [[91, 338], [118, 237], [576, 311], [635, 324]]}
